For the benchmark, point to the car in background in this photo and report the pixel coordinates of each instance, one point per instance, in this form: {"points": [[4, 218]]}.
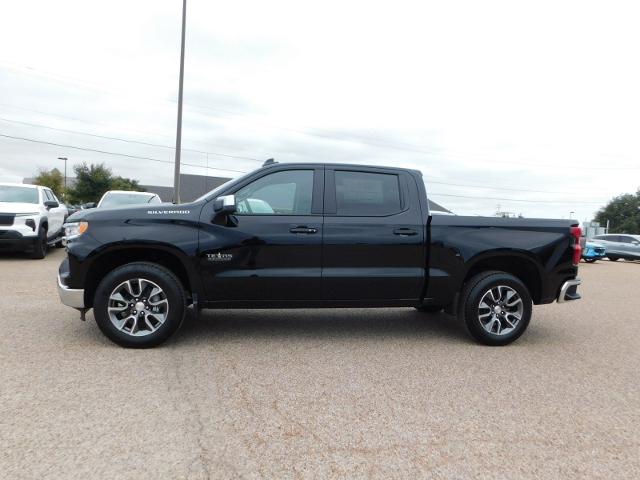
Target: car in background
{"points": [[620, 246], [122, 198], [592, 252], [31, 219]]}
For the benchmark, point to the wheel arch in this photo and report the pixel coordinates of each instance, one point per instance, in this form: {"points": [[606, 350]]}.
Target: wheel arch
{"points": [[518, 264], [116, 257]]}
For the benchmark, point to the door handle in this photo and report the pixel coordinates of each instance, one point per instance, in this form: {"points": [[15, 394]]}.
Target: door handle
{"points": [[306, 230], [404, 232]]}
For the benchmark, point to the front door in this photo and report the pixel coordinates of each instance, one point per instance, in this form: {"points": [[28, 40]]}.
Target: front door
{"points": [[270, 250], [374, 237], [55, 215]]}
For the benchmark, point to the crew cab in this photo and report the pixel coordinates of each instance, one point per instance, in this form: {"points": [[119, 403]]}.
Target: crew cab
{"points": [[31, 219], [311, 236]]}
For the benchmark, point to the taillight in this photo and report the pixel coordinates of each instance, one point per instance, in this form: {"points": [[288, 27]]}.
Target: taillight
{"points": [[576, 233]]}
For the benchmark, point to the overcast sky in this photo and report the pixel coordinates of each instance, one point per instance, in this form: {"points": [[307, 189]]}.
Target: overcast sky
{"points": [[533, 106]]}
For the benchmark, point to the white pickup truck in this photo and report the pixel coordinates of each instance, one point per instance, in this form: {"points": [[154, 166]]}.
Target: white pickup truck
{"points": [[31, 219]]}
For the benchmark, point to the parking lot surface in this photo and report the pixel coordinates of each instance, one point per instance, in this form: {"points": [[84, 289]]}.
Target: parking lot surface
{"points": [[384, 393]]}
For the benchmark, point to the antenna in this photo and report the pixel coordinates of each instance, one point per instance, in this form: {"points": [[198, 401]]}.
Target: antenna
{"points": [[270, 161]]}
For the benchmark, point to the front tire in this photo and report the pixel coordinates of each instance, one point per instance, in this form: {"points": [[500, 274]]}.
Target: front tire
{"points": [[139, 305], [590, 260], [496, 307], [613, 259], [40, 245]]}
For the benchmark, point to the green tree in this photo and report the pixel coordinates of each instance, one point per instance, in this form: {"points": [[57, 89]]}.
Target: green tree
{"points": [[121, 183], [92, 181], [51, 178], [623, 214]]}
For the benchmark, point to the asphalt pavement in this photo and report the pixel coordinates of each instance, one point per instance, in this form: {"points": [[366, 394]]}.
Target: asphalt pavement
{"points": [[345, 394]]}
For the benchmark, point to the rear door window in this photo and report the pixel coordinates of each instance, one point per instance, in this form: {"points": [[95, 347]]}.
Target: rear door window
{"points": [[367, 194]]}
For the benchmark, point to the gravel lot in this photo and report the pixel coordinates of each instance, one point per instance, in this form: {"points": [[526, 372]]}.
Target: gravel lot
{"points": [[321, 394]]}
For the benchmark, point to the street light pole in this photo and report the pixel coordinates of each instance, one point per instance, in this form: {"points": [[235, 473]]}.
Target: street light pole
{"points": [[65, 176], [176, 172]]}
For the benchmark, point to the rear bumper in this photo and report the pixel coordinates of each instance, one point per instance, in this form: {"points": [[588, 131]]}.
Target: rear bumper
{"points": [[569, 291], [71, 297]]}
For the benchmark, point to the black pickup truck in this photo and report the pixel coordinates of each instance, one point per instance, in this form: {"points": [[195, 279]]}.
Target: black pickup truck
{"points": [[309, 236]]}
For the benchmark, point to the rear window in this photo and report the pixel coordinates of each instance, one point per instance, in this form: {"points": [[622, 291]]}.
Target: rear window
{"points": [[367, 194]]}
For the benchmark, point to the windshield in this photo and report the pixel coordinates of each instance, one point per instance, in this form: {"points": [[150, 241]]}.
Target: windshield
{"points": [[14, 194], [120, 199]]}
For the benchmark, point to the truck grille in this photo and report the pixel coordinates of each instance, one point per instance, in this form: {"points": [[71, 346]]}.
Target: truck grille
{"points": [[6, 219]]}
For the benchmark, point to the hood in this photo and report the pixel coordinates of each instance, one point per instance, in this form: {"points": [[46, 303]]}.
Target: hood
{"points": [[11, 207], [134, 211]]}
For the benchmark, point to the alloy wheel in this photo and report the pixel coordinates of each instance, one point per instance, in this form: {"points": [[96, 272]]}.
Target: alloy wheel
{"points": [[138, 307], [500, 310]]}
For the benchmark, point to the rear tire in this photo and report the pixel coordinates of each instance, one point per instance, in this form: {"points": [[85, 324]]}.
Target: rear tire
{"points": [[496, 307], [40, 245], [125, 300]]}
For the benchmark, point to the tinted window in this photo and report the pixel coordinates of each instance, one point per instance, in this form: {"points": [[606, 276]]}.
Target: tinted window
{"points": [[367, 194], [49, 195], [280, 193], [625, 239]]}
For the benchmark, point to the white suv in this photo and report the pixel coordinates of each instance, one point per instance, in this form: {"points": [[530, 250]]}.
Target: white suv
{"points": [[31, 218]]}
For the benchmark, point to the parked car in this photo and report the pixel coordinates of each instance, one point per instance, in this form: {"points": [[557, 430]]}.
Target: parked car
{"points": [[620, 246], [593, 252], [31, 218], [120, 198], [313, 235]]}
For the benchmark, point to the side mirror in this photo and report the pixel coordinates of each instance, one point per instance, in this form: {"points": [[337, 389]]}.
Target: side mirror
{"points": [[225, 204], [89, 205], [51, 204]]}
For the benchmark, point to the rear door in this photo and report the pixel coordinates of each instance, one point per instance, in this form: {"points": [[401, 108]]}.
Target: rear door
{"points": [[373, 244], [630, 245]]}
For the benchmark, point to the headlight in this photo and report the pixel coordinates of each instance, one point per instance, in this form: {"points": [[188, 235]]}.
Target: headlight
{"points": [[75, 229], [28, 214]]}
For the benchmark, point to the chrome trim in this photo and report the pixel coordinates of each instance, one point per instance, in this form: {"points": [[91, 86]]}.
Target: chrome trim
{"points": [[71, 297], [566, 286]]}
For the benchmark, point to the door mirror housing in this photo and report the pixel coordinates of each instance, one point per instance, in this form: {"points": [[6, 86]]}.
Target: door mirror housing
{"points": [[225, 204], [51, 204], [89, 205]]}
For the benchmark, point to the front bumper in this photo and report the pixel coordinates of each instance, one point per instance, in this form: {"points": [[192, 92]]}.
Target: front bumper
{"points": [[71, 297], [569, 291], [589, 253], [14, 240]]}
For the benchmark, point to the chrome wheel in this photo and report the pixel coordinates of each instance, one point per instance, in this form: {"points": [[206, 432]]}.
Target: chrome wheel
{"points": [[138, 307], [500, 310]]}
